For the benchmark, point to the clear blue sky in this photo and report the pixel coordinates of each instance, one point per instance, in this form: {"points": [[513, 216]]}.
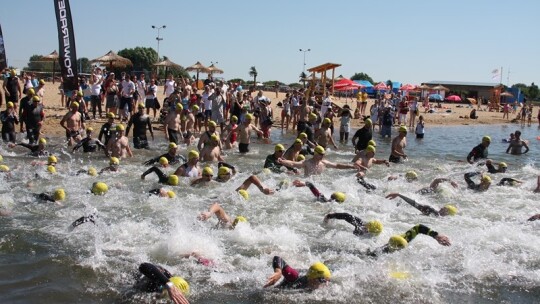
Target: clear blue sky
{"points": [[406, 41]]}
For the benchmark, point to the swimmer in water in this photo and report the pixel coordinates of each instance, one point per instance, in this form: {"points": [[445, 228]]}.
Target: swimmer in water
{"points": [[171, 156], [224, 220], [158, 279], [485, 181], [398, 242], [425, 209], [336, 196], [373, 227], [57, 196], [211, 152], [163, 178], [491, 168], [114, 166], [88, 143], [191, 167], [435, 185], [318, 275], [271, 160], [480, 151], [225, 172], [316, 165], [162, 192], [516, 145], [35, 150], [398, 145]]}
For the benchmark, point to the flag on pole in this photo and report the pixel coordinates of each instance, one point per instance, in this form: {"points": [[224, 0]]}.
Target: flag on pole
{"points": [[66, 40], [495, 74], [3, 59]]}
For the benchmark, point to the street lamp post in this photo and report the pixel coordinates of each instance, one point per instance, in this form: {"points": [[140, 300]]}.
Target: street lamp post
{"points": [[305, 51], [158, 38]]}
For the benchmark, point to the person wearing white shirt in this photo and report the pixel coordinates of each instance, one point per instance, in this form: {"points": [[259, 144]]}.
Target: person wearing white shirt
{"points": [[169, 86], [151, 97], [141, 88], [326, 104], [128, 88], [95, 91]]}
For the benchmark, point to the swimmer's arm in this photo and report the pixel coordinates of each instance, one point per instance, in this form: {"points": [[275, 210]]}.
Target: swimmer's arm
{"points": [[290, 163], [468, 179], [197, 181], [277, 264], [128, 149], [435, 183], [381, 161], [150, 170], [534, 217], [343, 166], [537, 190], [526, 147], [349, 218], [101, 145], [26, 146], [509, 147], [413, 232], [201, 140], [179, 171], [257, 182], [216, 209], [508, 180], [78, 145], [63, 122], [130, 122], [491, 168], [46, 197]]}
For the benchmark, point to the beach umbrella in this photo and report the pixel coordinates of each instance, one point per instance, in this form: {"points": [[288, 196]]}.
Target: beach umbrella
{"points": [[167, 64], [113, 60], [380, 86], [507, 94], [435, 97], [197, 67], [472, 100], [440, 88], [454, 98], [51, 57], [424, 87], [407, 87], [345, 83], [213, 69]]}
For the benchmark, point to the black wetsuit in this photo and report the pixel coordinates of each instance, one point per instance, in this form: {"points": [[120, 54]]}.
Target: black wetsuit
{"points": [[34, 149], [491, 169], [272, 164], [106, 132], [32, 118], [89, 145], [12, 86], [409, 236], [8, 126], [140, 123], [507, 180], [477, 153], [45, 196], [351, 219], [291, 277], [163, 178], [366, 185], [470, 183], [425, 209], [320, 197], [173, 159], [154, 278], [364, 135]]}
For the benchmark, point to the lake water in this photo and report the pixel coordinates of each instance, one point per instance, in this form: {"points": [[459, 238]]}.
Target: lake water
{"points": [[494, 257]]}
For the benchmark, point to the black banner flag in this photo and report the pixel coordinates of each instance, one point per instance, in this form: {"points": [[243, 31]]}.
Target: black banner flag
{"points": [[66, 39], [3, 59]]}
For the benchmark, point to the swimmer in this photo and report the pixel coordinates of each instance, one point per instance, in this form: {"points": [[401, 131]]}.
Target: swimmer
{"points": [[211, 152], [89, 144], [425, 209], [294, 151], [224, 220], [318, 275], [225, 172], [191, 167], [516, 145], [534, 218], [157, 279], [73, 123], [206, 136], [363, 136], [107, 128], [485, 181], [360, 228], [114, 165], [171, 156], [398, 242], [398, 145], [163, 178], [230, 134], [336, 196], [537, 190], [35, 150], [366, 158], [92, 218], [119, 146], [435, 185], [57, 196], [141, 122], [244, 133], [491, 168], [271, 160], [316, 165], [323, 136], [162, 192], [509, 181], [480, 151]]}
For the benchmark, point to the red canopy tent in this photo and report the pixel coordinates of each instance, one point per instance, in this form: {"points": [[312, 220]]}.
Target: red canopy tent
{"points": [[453, 98], [408, 87], [380, 86], [345, 83]]}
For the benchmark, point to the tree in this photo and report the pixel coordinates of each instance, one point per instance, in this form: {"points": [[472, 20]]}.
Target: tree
{"points": [[84, 65], [36, 63], [253, 73], [303, 78], [141, 57], [295, 85], [533, 91], [523, 87], [237, 80], [362, 76], [390, 84]]}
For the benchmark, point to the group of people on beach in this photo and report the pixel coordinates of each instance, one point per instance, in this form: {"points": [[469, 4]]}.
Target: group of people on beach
{"points": [[191, 118]]}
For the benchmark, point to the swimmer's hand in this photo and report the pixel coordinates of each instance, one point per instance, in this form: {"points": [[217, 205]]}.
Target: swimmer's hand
{"points": [[326, 219], [392, 195], [176, 295], [12, 145], [273, 278], [360, 167], [298, 183], [392, 177], [443, 240], [268, 191], [204, 216], [454, 184]]}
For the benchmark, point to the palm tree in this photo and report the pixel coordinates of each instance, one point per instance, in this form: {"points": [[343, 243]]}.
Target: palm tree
{"points": [[253, 73], [303, 77]]}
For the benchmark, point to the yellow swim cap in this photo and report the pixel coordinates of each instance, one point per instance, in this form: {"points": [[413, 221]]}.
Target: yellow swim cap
{"points": [[279, 148], [221, 171], [193, 154], [41, 81], [312, 116], [249, 117], [140, 106], [173, 180], [111, 115], [239, 219], [300, 157], [397, 242], [486, 179], [298, 141], [327, 121], [403, 129], [114, 161], [163, 161], [89, 129], [79, 93], [179, 107], [234, 118], [36, 98], [120, 127], [208, 171], [243, 193], [52, 159], [92, 171], [43, 141], [372, 143], [320, 150], [51, 169], [171, 194], [99, 188], [59, 194], [195, 108], [4, 168], [486, 139], [214, 137], [10, 104], [339, 196], [374, 227], [368, 122], [371, 148], [181, 284], [172, 145], [451, 209], [302, 135], [503, 165], [74, 104], [411, 175], [318, 271], [30, 91], [212, 123]]}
